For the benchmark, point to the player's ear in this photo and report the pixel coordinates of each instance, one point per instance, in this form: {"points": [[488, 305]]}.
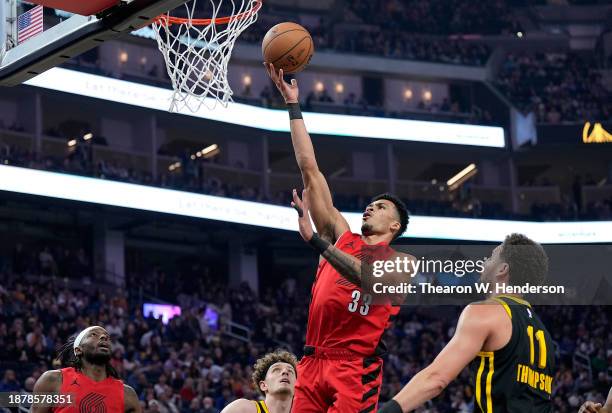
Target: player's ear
{"points": [[395, 226], [263, 386], [503, 272]]}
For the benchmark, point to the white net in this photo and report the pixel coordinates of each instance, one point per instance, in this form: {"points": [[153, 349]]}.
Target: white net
{"points": [[197, 53]]}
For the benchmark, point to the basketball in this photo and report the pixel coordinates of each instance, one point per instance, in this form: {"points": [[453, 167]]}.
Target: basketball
{"points": [[288, 46]]}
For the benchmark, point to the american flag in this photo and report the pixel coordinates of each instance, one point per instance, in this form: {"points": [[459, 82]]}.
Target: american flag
{"points": [[30, 24]]}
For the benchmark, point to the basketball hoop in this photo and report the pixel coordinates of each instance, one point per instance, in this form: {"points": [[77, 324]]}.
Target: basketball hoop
{"points": [[197, 51]]}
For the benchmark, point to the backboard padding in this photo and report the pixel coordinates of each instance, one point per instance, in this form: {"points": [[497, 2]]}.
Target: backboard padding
{"points": [[84, 8]]}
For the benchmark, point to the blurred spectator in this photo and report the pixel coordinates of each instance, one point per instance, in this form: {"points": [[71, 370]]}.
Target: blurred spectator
{"points": [[47, 262], [9, 382]]}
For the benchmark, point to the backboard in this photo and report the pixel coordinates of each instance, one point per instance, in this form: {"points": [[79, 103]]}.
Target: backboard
{"points": [[95, 22]]}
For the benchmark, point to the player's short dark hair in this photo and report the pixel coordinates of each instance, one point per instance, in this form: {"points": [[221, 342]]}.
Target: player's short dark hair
{"points": [[261, 367], [526, 258], [401, 210]]}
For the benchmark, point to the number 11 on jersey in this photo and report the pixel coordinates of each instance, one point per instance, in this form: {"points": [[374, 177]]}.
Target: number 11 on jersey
{"points": [[539, 335]]}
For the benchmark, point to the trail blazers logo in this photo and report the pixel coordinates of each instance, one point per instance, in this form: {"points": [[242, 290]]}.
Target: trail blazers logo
{"points": [[92, 403]]}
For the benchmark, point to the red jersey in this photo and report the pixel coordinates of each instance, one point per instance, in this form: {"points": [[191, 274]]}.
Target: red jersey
{"points": [[340, 314], [89, 396]]}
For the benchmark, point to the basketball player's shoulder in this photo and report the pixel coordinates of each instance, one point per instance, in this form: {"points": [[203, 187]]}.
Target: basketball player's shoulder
{"points": [[485, 312], [348, 235], [49, 381], [130, 399], [241, 406], [128, 390], [348, 240], [403, 255]]}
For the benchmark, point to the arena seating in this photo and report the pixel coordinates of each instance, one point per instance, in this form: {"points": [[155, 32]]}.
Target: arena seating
{"points": [[558, 87], [185, 366]]}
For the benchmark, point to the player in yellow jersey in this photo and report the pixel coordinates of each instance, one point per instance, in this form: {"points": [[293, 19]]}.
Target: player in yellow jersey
{"points": [[510, 352], [274, 376]]}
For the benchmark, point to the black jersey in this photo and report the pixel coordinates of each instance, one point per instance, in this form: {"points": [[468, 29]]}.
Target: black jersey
{"points": [[261, 406], [517, 378]]}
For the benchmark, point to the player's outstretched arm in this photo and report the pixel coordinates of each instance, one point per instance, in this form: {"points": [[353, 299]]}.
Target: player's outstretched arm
{"points": [[329, 222], [474, 326], [240, 406], [590, 407], [608, 406], [347, 265], [49, 382], [130, 400]]}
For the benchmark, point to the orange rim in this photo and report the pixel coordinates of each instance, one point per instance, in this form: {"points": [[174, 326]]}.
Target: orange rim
{"points": [[170, 20]]}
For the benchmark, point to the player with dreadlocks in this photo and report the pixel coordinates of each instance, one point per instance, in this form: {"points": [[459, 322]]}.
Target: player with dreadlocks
{"points": [[88, 377]]}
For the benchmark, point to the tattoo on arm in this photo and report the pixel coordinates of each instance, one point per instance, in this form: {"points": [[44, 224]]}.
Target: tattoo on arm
{"points": [[347, 265], [49, 382]]}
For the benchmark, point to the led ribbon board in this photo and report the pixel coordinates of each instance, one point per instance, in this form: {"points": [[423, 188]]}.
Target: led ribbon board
{"points": [[147, 198], [136, 94]]}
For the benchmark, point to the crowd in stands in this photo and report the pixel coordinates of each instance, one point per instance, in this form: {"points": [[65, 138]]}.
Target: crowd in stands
{"points": [[189, 365], [352, 104], [191, 177], [323, 102], [440, 17], [364, 29], [394, 43], [49, 259], [558, 87]]}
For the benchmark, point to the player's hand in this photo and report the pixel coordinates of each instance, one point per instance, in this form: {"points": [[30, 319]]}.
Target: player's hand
{"points": [[290, 91], [301, 206], [590, 407]]}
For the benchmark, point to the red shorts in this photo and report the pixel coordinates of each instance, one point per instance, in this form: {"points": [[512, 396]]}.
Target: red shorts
{"points": [[337, 381]]}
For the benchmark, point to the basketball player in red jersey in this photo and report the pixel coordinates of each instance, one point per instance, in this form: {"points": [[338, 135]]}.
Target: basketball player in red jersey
{"points": [[90, 380], [274, 376], [341, 370]]}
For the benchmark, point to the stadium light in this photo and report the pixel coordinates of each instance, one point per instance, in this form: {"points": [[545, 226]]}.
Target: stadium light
{"points": [[123, 56], [87, 136], [72, 142], [462, 176], [246, 80], [210, 151]]}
